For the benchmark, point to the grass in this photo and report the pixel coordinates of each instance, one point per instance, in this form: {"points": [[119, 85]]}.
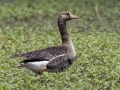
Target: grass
{"points": [[28, 26]]}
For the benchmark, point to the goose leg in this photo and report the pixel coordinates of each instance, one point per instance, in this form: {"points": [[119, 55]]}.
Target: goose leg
{"points": [[42, 69]]}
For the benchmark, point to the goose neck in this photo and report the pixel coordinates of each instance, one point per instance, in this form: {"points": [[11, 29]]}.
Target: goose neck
{"points": [[63, 31]]}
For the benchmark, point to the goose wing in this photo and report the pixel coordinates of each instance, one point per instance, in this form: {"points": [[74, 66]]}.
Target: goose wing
{"points": [[44, 54]]}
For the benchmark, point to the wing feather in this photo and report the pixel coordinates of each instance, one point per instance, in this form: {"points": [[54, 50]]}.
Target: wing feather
{"points": [[46, 54]]}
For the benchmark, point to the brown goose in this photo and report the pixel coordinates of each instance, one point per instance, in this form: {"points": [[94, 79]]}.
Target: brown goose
{"points": [[52, 59]]}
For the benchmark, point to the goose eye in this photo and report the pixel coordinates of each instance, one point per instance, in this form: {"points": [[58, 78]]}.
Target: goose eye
{"points": [[67, 14]]}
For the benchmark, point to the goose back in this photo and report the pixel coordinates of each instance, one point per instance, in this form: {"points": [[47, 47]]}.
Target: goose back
{"points": [[43, 54]]}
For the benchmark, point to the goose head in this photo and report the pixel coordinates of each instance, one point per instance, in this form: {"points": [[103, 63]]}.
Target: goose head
{"points": [[65, 16]]}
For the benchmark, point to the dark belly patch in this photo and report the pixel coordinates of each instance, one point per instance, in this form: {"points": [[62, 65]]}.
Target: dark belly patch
{"points": [[61, 66]]}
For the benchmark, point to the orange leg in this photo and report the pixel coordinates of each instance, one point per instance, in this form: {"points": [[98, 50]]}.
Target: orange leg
{"points": [[41, 70]]}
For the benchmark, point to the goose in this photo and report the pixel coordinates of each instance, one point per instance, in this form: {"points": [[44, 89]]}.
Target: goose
{"points": [[55, 58]]}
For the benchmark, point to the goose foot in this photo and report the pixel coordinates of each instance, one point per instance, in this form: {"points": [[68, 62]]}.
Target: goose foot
{"points": [[41, 70]]}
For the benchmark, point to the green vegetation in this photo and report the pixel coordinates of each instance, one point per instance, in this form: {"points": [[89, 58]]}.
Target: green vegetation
{"points": [[32, 25]]}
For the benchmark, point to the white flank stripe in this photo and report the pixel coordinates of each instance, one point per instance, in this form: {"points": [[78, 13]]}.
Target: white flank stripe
{"points": [[58, 56]]}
